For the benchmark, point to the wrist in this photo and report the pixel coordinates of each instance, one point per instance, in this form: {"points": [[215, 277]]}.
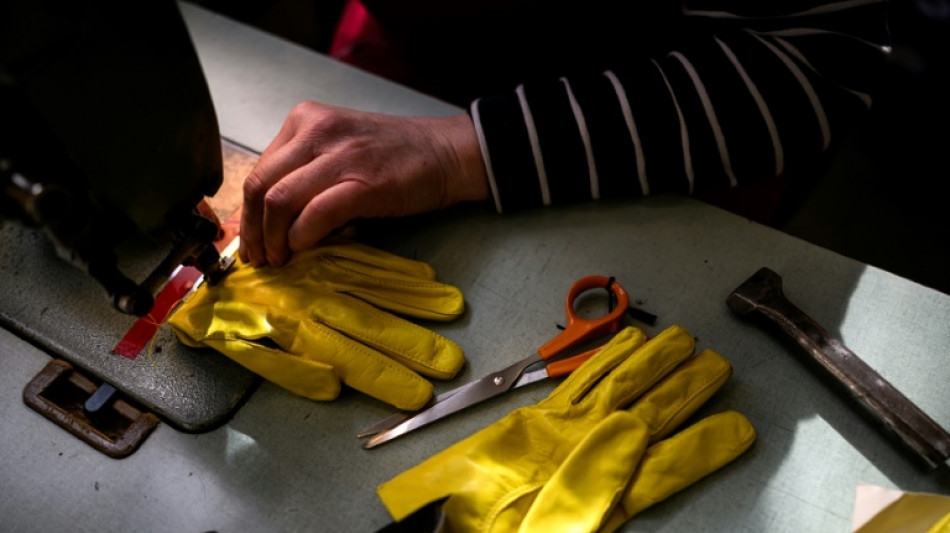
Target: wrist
{"points": [[470, 183]]}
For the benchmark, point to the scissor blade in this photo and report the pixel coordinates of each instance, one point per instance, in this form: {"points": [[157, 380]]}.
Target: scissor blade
{"points": [[530, 377], [475, 392], [395, 418], [481, 390], [386, 423]]}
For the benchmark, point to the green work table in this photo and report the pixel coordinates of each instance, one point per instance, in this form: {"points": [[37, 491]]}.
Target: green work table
{"points": [[285, 463]]}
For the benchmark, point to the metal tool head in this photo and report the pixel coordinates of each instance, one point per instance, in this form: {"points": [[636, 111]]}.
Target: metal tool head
{"points": [[764, 286]]}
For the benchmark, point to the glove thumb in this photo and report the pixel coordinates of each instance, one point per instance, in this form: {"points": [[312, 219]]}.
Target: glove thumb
{"points": [[675, 463], [591, 481]]}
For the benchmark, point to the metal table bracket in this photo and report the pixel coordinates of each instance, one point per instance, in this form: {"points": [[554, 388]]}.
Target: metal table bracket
{"points": [[93, 413]]}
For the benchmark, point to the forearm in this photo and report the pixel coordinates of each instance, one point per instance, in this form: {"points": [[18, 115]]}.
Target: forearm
{"points": [[744, 101]]}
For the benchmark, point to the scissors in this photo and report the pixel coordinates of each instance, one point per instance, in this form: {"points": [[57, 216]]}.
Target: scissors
{"points": [[578, 331]]}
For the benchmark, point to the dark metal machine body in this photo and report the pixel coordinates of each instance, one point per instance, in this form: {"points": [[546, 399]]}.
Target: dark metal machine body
{"points": [[108, 144], [108, 133]]}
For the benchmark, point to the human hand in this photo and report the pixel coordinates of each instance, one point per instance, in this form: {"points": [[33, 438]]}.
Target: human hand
{"points": [[329, 165]]}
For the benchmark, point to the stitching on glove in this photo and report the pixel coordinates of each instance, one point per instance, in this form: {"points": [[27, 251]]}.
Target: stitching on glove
{"points": [[749, 436], [502, 503], [382, 281], [587, 386], [217, 336], [653, 379], [427, 363], [348, 250], [584, 388], [236, 337], [250, 342], [356, 294], [704, 386], [367, 351]]}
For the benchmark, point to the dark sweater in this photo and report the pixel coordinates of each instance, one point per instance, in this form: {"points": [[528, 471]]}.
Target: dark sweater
{"points": [[633, 98]]}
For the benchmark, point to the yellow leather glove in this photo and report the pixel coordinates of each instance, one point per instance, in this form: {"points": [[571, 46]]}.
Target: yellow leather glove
{"points": [[319, 320], [593, 453]]}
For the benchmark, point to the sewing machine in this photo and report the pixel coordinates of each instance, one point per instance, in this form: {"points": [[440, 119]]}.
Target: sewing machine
{"points": [[108, 134], [109, 145]]}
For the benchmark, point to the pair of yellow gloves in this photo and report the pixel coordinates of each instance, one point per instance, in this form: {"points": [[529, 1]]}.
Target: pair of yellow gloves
{"points": [[590, 456]]}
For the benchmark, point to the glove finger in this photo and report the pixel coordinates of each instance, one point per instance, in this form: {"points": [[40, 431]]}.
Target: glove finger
{"points": [[243, 333], [589, 484], [359, 257], [310, 379], [676, 463], [670, 402], [417, 348], [410, 291], [306, 358], [639, 369], [363, 368], [423, 300], [391, 282], [615, 352]]}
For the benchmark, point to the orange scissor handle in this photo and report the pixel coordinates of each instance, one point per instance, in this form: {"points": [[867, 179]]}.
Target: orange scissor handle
{"points": [[566, 366], [579, 329]]}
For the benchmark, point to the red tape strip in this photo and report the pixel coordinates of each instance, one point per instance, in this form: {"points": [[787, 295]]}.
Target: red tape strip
{"points": [[145, 327], [177, 287]]}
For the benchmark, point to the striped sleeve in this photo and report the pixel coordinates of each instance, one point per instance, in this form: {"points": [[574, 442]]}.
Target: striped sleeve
{"points": [[758, 88]]}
